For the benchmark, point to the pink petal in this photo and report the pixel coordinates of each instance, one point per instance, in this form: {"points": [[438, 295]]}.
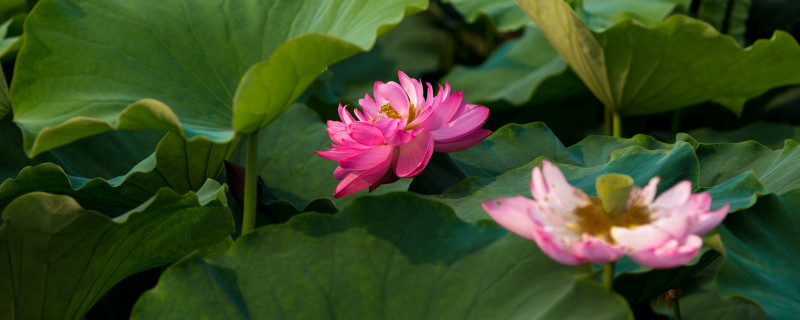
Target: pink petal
{"points": [[443, 112], [652, 235], [675, 196], [704, 222], [389, 177], [340, 173], [360, 116], [394, 93], [672, 254], [512, 213], [368, 159], [414, 156], [595, 250], [369, 106], [430, 97], [379, 99], [554, 249], [538, 187], [365, 133], [338, 154], [356, 181], [464, 143], [345, 115], [412, 87], [560, 191], [389, 126], [462, 126], [400, 138], [644, 197]]}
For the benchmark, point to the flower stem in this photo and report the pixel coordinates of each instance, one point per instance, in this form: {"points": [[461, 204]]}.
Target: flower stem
{"points": [[250, 187], [676, 309], [617, 125], [608, 276]]}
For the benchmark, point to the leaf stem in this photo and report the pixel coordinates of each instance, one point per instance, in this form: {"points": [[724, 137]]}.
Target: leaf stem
{"points": [[676, 309], [250, 186], [617, 125], [608, 276]]}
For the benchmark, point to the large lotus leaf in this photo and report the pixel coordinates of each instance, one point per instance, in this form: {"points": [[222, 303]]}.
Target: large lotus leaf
{"points": [[511, 147], [761, 255], [414, 46], [288, 165], [672, 166], [5, 103], [778, 170], [771, 135], [111, 154], [12, 157], [502, 164], [5, 41], [634, 69], [718, 12], [519, 67], [505, 13], [195, 67], [719, 162], [178, 164], [390, 257], [700, 300], [60, 259], [600, 13]]}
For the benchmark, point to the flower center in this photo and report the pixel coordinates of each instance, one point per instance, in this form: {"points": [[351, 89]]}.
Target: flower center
{"points": [[391, 113], [594, 220], [609, 209]]}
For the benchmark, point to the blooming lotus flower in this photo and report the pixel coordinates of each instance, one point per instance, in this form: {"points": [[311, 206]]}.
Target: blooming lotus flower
{"points": [[395, 134], [573, 228]]}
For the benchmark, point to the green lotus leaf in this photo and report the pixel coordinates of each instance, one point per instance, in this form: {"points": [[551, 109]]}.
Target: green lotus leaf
{"points": [[5, 103], [634, 69], [521, 66], [715, 12], [396, 256], [511, 147], [700, 299], [517, 68], [12, 157], [178, 164], [761, 255], [505, 13], [778, 170], [289, 167], [5, 41], [771, 135], [61, 259], [414, 46], [208, 68], [735, 174], [672, 166], [599, 13], [640, 285]]}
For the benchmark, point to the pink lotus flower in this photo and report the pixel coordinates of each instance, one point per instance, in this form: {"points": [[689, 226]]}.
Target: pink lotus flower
{"points": [[396, 133], [573, 228]]}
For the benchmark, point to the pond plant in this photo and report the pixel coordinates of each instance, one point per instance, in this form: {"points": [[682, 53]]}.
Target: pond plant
{"points": [[399, 159]]}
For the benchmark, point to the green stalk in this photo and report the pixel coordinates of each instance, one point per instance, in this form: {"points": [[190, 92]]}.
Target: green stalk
{"points": [[617, 125], [676, 309], [250, 187], [607, 122], [608, 276]]}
